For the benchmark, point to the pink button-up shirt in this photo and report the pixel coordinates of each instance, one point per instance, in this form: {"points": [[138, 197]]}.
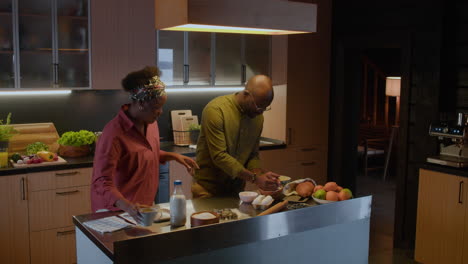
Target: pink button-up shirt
{"points": [[126, 164]]}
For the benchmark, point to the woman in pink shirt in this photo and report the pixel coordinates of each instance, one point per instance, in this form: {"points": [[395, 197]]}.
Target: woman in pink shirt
{"points": [[127, 157]]}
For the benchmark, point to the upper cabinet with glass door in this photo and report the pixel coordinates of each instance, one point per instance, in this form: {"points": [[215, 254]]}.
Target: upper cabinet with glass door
{"points": [[257, 55], [201, 59], [50, 41], [184, 57], [7, 73], [229, 59], [72, 43]]}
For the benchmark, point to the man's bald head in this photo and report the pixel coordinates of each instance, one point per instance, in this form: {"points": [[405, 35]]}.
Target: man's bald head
{"points": [[261, 87]]}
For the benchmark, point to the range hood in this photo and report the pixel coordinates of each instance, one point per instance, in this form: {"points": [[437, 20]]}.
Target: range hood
{"points": [[267, 17]]}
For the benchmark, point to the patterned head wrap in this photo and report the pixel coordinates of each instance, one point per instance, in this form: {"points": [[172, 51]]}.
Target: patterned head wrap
{"points": [[154, 89]]}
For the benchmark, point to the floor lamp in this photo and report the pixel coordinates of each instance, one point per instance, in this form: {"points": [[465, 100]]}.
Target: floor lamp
{"points": [[392, 88]]}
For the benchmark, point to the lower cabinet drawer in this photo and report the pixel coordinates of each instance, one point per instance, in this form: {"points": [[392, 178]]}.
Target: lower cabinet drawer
{"points": [[55, 208], [49, 180], [54, 246], [313, 169]]}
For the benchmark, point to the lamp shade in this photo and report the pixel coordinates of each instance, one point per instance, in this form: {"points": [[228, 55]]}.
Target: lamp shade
{"points": [[393, 86]]}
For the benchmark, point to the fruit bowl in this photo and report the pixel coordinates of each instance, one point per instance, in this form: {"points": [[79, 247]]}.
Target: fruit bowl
{"points": [[320, 201]]}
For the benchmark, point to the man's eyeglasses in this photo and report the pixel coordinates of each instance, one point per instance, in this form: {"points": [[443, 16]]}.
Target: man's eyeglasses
{"points": [[258, 109]]}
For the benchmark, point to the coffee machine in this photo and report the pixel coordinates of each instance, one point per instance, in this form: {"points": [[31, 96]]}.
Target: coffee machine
{"points": [[452, 139]]}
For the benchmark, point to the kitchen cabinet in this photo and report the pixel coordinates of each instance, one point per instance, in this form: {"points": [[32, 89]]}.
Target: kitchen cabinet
{"points": [[441, 228], [297, 163], [200, 58], [45, 44], [184, 57], [14, 239], [54, 197], [171, 58], [7, 73], [257, 55], [53, 246], [306, 107], [122, 40], [228, 59]]}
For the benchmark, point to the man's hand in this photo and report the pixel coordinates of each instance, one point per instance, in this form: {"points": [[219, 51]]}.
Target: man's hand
{"points": [[268, 181]]}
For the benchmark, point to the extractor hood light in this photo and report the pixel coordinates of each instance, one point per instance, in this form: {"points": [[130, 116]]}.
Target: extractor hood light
{"points": [[204, 89], [227, 29], [30, 92], [267, 17]]}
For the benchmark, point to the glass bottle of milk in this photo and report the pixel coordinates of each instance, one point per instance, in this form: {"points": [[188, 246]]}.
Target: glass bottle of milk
{"points": [[178, 205]]}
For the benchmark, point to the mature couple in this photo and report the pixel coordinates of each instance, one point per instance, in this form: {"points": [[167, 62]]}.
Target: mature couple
{"points": [[127, 157]]}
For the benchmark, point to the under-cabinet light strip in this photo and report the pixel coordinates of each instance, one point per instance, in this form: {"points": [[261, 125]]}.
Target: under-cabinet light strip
{"points": [[47, 92]]}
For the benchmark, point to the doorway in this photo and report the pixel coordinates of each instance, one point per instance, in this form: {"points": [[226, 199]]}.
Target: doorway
{"points": [[391, 52]]}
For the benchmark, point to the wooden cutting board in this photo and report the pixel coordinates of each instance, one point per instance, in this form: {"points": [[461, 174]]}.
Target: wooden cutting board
{"points": [[34, 132], [45, 163]]}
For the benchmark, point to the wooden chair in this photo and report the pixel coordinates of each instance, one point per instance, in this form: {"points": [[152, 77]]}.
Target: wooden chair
{"points": [[375, 144]]}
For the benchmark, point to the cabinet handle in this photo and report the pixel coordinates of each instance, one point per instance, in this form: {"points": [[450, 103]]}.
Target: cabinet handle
{"points": [[460, 193], [56, 70], [289, 136], [308, 149], [308, 163], [66, 173], [64, 233], [23, 189], [186, 73], [67, 193], [244, 73]]}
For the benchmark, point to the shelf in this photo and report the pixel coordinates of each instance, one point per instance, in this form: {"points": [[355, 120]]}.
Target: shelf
{"points": [[74, 17], [36, 51], [6, 52], [4, 13], [34, 15], [48, 50]]}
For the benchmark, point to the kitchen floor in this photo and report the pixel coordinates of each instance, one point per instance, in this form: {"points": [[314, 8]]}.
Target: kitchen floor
{"points": [[381, 249]]}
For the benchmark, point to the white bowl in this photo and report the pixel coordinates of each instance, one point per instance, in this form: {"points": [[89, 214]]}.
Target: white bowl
{"points": [[247, 197]]}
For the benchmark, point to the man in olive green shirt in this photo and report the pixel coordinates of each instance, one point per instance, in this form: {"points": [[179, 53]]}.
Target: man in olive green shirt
{"points": [[227, 149]]}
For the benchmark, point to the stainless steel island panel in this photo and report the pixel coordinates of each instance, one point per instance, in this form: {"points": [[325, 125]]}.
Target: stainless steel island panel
{"points": [[346, 222]]}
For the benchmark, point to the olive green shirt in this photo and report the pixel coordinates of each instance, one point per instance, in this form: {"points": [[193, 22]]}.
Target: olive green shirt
{"points": [[228, 143]]}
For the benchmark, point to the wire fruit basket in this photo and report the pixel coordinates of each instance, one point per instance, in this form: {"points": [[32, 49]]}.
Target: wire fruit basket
{"points": [[181, 137]]}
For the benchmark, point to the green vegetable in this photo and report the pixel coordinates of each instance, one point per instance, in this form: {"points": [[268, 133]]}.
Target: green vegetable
{"points": [[6, 131], [35, 147], [71, 138], [193, 127], [15, 157]]}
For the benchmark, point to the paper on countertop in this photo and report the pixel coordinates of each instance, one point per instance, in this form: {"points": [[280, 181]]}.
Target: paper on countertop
{"points": [[127, 217], [108, 224]]}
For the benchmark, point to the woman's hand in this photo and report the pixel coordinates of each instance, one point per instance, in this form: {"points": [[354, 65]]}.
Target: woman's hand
{"points": [[132, 209], [189, 163]]}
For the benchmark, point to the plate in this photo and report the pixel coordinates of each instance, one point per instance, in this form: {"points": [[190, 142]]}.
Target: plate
{"points": [[320, 201]]}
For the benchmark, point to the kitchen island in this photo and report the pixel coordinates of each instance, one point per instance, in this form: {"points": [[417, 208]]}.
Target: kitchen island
{"points": [[330, 233]]}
